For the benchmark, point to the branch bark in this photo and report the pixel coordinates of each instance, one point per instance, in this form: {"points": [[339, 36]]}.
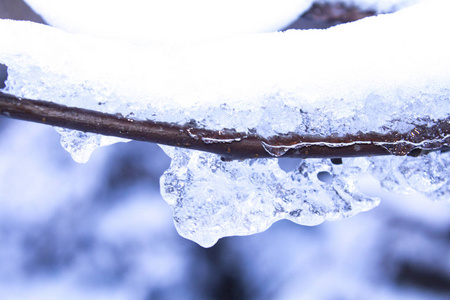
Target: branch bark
{"points": [[227, 142]]}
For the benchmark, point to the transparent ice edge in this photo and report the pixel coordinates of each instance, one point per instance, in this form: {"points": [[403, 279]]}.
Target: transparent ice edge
{"points": [[80, 144], [211, 198]]}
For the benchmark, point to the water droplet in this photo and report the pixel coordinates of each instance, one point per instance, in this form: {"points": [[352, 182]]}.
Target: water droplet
{"points": [[336, 161], [325, 177]]}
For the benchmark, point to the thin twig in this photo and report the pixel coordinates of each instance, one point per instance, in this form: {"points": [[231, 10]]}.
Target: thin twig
{"points": [[227, 142]]}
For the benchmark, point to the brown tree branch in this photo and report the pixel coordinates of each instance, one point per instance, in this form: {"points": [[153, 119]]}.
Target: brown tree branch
{"points": [[227, 142], [336, 13], [325, 15]]}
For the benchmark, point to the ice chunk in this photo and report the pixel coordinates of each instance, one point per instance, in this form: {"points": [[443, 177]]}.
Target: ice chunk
{"points": [[81, 144], [212, 198], [428, 174]]}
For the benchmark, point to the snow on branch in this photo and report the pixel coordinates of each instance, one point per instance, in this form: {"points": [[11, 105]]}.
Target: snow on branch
{"points": [[348, 82]]}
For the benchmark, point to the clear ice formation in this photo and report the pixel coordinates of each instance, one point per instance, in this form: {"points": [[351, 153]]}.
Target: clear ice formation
{"points": [[427, 174], [381, 74], [212, 198]]}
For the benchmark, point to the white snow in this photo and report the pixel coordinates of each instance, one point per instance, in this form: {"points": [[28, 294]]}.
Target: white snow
{"points": [[383, 73], [179, 20], [174, 20]]}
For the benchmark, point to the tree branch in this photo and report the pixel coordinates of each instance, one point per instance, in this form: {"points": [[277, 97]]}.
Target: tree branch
{"points": [[227, 142], [336, 13]]}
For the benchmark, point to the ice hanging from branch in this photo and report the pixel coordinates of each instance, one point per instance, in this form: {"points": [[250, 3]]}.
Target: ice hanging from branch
{"points": [[212, 199], [382, 74]]}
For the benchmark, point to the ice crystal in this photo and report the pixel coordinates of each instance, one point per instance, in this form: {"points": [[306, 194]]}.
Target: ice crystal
{"points": [[212, 198]]}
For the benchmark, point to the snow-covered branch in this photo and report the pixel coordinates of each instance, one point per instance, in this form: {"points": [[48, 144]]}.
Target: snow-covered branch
{"points": [[370, 76], [375, 86]]}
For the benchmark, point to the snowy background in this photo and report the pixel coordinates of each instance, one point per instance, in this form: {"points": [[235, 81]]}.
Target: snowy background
{"points": [[102, 231]]}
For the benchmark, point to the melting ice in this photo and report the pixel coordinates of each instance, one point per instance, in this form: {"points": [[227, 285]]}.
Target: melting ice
{"points": [[380, 74], [212, 198]]}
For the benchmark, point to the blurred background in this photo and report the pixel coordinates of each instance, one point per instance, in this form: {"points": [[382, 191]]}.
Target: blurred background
{"points": [[102, 231]]}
